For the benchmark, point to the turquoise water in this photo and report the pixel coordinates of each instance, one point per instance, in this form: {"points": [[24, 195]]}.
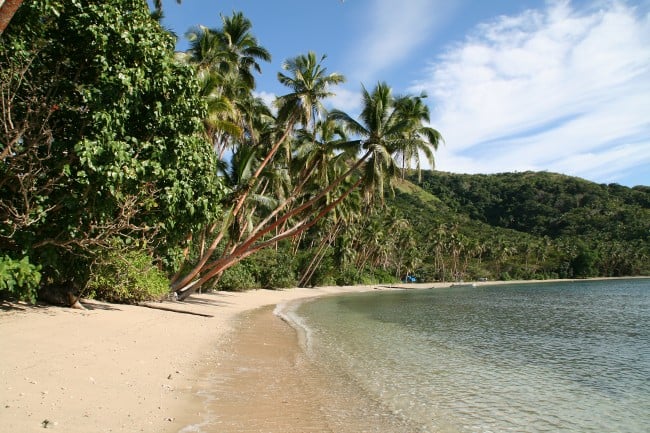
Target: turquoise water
{"points": [[567, 357]]}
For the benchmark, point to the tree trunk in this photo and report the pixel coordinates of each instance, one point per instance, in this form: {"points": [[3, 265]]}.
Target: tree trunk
{"points": [[208, 270], [7, 11], [318, 257]]}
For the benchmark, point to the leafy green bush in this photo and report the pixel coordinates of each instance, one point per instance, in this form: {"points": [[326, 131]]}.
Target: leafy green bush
{"points": [[98, 82], [279, 277], [19, 278], [237, 279], [126, 277], [323, 279], [386, 277], [348, 277], [273, 269]]}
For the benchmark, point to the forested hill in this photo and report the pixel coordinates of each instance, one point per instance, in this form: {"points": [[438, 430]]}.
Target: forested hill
{"points": [[546, 204], [527, 225]]}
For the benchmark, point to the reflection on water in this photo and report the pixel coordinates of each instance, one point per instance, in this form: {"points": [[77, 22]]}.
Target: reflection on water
{"points": [[571, 357]]}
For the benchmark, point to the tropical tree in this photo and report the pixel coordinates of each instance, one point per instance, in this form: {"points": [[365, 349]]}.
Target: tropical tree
{"points": [[418, 139], [225, 59], [101, 146], [310, 84], [385, 129], [239, 50]]}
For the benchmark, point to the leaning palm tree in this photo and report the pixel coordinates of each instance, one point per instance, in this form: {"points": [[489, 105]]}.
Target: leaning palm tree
{"points": [[309, 201], [299, 210]]}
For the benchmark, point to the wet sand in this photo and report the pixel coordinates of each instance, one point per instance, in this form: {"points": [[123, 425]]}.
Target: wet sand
{"points": [[265, 382]]}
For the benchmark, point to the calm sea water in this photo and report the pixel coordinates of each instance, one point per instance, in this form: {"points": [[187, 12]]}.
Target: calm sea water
{"points": [[567, 357]]}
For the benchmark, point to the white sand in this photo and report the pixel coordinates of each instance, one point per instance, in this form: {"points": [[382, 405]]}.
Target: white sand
{"points": [[116, 368]]}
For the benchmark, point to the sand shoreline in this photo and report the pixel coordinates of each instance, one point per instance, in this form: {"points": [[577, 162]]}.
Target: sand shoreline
{"points": [[117, 368], [121, 368]]}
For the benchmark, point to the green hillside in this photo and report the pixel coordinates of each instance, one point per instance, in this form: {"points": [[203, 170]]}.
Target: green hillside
{"points": [[526, 225]]}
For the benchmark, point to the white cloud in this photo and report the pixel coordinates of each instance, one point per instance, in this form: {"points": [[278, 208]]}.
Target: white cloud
{"points": [[390, 31], [346, 100], [558, 89], [267, 97]]}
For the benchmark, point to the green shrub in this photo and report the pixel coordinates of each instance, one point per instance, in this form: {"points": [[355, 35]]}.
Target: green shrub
{"points": [[237, 279], [273, 269], [323, 280], [348, 277], [383, 276], [126, 277], [279, 277], [505, 276], [19, 279]]}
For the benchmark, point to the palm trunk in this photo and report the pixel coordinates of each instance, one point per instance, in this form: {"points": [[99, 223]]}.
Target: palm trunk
{"points": [[253, 243], [318, 257], [7, 12]]}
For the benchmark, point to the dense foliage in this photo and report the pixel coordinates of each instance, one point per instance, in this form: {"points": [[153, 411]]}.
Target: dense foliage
{"points": [[100, 140], [540, 225], [126, 276], [19, 278], [128, 170]]}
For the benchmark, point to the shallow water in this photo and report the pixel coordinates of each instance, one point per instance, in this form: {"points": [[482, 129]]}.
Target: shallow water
{"points": [[557, 357], [262, 381]]}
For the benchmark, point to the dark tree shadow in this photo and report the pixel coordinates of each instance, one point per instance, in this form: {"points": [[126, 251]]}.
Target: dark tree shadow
{"points": [[216, 302], [96, 305]]}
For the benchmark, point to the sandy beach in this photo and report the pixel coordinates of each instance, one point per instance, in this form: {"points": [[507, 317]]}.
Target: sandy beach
{"points": [[123, 368], [117, 368]]}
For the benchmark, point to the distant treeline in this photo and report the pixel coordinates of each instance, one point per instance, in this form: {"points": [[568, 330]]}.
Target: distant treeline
{"points": [[452, 227], [527, 225]]}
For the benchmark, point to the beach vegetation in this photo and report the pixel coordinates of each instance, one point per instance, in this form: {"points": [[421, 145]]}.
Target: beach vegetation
{"points": [[120, 156], [237, 278], [101, 138], [274, 268], [19, 279], [126, 275]]}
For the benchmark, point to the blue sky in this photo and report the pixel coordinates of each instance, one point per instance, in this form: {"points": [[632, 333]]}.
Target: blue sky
{"points": [[513, 85]]}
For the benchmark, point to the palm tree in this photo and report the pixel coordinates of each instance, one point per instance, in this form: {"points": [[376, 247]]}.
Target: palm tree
{"points": [[225, 59], [240, 51], [317, 151], [310, 85], [418, 139], [232, 49], [385, 129]]}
